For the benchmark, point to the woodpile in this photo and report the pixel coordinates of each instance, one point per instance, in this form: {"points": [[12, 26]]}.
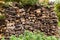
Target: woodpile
{"points": [[41, 17]]}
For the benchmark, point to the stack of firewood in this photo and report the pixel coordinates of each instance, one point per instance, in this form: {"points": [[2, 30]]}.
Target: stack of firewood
{"points": [[41, 17]]}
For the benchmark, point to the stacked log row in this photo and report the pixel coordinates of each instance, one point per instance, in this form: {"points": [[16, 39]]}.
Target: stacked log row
{"points": [[41, 17]]}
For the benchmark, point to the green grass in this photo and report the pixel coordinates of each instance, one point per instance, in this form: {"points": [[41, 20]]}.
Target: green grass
{"points": [[32, 36]]}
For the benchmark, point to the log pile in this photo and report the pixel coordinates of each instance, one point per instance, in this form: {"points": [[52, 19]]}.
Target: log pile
{"points": [[41, 17]]}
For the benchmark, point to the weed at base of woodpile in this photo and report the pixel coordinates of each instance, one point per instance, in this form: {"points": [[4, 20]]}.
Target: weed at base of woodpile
{"points": [[32, 36]]}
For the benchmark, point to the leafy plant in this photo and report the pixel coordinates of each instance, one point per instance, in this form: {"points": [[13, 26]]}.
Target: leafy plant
{"points": [[44, 2], [29, 2], [3, 38], [33, 36], [13, 37], [59, 23], [57, 8], [24, 2], [2, 17]]}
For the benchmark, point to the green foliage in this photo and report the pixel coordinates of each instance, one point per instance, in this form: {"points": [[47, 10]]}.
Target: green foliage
{"points": [[57, 8], [2, 17], [24, 2], [59, 24], [45, 2], [3, 38], [33, 36], [13, 37], [28, 2]]}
